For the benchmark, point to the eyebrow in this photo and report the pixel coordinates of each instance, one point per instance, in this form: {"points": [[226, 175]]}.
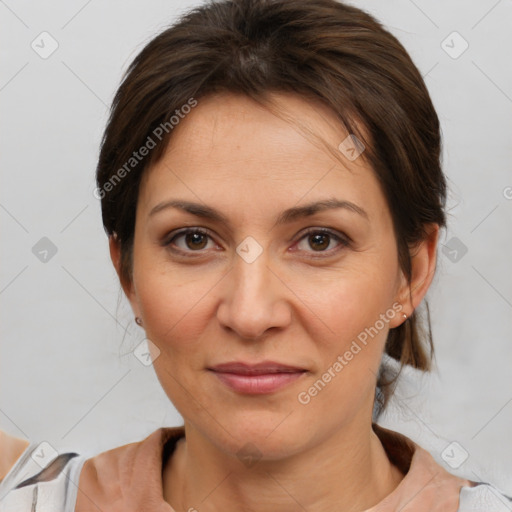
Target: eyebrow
{"points": [[287, 216]]}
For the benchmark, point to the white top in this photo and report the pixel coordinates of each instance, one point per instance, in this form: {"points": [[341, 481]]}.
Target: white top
{"points": [[35, 485]]}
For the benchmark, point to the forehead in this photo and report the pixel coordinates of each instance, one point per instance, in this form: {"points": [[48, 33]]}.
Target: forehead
{"points": [[230, 145], [229, 126]]}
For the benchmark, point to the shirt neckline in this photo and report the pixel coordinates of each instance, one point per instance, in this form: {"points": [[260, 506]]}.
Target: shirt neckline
{"points": [[138, 470]]}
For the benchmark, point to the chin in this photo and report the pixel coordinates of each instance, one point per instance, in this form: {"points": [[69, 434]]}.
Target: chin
{"points": [[268, 438]]}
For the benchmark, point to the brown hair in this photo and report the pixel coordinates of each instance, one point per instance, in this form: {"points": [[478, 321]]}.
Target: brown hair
{"points": [[324, 50]]}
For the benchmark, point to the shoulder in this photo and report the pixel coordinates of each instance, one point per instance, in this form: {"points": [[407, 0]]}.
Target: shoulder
{"points": [[431, 486], [42, 478], [484, 497], [127, 476]]}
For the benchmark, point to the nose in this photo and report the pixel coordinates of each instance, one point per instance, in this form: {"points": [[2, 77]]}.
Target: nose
{"points": [[254, 299]]}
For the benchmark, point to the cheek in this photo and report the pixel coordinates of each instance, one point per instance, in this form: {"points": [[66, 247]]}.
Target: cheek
{"points": [[355, 311], [353, 300], [357, 335], [349, 351], [174, 303]]}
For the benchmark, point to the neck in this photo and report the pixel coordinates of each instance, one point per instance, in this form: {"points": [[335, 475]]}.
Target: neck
{"points": [[351, 473]]}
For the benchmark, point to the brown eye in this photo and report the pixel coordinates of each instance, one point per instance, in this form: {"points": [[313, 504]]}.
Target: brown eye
{"points": [[193, 240], [321, 240]]}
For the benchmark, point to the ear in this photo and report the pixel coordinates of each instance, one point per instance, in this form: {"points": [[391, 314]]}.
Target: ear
{"points": [[423, 266], [115, 256]]}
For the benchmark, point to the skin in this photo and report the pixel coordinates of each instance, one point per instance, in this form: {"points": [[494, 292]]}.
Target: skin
{"points": [[208, 306], [11, 449]]}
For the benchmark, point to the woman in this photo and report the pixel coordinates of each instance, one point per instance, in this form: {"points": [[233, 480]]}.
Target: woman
{"points": [[271, 187]]}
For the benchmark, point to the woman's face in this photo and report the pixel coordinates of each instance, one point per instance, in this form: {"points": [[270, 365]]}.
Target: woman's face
{"points": [[312, 288]]}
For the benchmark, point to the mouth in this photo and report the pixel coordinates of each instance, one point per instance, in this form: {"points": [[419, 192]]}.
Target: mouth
{"points": [[260, 378]]}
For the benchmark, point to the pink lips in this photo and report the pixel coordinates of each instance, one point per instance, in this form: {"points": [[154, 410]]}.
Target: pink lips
{"points": [[260, 378]]}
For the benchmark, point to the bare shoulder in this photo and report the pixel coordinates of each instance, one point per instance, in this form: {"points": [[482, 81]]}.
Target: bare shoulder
{"points": [[11, 449]]}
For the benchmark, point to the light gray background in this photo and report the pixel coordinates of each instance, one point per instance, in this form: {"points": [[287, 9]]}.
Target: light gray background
{"points": [[67, 373]]}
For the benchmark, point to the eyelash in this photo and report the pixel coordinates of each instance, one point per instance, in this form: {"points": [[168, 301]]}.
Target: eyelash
{"points": [[344, 241]]}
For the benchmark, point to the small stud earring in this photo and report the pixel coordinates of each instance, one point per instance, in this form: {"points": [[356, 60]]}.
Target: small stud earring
{"points": [[138, 320], [405, 316]]}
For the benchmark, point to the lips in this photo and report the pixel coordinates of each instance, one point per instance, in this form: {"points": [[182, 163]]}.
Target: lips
{"points": [[263, 368], [260, 378]]}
